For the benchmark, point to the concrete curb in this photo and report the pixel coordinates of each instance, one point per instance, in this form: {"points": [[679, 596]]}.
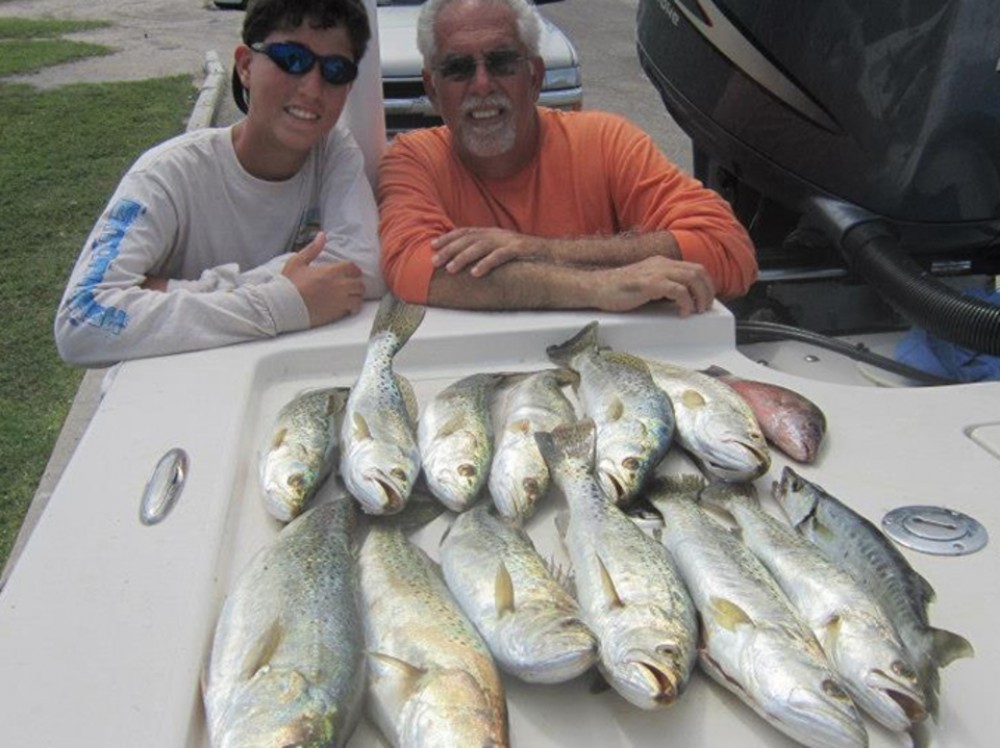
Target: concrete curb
{"points": [[89, 393]]}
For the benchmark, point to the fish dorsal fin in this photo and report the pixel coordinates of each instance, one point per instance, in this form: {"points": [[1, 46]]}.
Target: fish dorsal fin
{"points": [[504, 591], [624, 358], [728, 614], [409, 396], [360, 428], [692, 399], [259, 655], [279, 438], [611, 596]]}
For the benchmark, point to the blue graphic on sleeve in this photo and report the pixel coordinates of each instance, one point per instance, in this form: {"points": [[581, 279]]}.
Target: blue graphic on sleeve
{"points": [[83, 306]]}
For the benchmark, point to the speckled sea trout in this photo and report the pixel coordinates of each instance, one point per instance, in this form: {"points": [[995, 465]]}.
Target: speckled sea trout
{"points": [[301, 450], [752, 642], [531, 624], [455, 435], [631, 595], [860, 642], [287, 665], [714, 424], [858, 546], [380, 458], [432, 680], [524, 404], [633, 418]]}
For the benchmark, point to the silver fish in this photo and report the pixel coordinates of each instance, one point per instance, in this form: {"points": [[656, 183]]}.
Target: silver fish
{"points": [[633, 417], [714, 424], [380, 459], [432, 680], [859, 641], [524, 404], [858, 546], [301, 450], [753, 643], [790, 421], [455, 435], [628, 588], [531, 624], [287, 665]]}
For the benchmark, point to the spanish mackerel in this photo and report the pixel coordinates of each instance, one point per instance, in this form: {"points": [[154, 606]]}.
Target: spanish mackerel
{"points": [[432, 680], [633, 417], [287, 664], [631, 594], [524, 404], [301, 450], [752, 641], [859, 641], [380, 458], [852, 541], [531, 624]]}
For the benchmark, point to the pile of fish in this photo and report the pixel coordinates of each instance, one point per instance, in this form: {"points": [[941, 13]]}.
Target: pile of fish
{"points": [[810, 622]]}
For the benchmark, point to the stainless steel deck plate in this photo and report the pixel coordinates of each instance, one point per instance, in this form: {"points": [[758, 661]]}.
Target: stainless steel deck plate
{"points": [[935, 529]]}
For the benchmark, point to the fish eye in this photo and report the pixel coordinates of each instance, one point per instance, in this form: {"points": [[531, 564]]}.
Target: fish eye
{"points": [[467, 470], [398, 473], [834, 690], [631, 464]]}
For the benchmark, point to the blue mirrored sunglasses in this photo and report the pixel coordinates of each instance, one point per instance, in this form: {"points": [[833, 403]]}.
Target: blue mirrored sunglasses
{"points": [[499, 64], [297, 59]]}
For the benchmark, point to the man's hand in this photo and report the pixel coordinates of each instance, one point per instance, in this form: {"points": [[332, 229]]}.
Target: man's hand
{"points": [[484, 249], [625, 288], [329, 291]]}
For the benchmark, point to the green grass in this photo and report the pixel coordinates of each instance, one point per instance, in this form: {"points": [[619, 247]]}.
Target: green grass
{"points": [[62, 152]]}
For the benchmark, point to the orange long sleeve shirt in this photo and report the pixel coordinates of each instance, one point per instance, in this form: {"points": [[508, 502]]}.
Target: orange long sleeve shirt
{"points": [[594, 174]]}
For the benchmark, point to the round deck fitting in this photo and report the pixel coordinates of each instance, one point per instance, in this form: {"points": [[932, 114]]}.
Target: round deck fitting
{"points": [[936, 530]]}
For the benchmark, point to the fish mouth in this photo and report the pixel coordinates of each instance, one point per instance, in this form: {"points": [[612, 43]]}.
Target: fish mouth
{"points": [[662, 683], [739, 460]]}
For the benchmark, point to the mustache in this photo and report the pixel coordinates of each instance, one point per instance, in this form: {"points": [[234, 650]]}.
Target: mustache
{"points": [[497, 100]]}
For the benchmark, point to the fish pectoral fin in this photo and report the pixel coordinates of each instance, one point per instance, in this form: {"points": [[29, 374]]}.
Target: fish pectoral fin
{"points": [[692, 399], [504, 591], [279, 438], [401, 674], [728, 614], [949, 647], [360, 429], [611, 596], [259, 655], [615, 409]]}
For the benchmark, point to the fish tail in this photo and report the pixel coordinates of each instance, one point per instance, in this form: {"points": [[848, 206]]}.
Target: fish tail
{"points": [[584, 340], [688, 487], [398, 317], [725, 494], [570, 442]]}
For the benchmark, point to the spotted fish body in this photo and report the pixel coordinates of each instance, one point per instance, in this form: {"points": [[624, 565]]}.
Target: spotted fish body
{"points": [[380, 458], [287, 663], [526, 403], [531, 624], [753, 643], [633, 417], [858, 546], [432, 680], [455, 436], [789, 420], [859, 641], [714, 424], [629, 590], [301, 450]]}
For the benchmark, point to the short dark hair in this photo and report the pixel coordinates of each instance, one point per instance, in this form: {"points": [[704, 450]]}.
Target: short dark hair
{"points": [[265, 16]]}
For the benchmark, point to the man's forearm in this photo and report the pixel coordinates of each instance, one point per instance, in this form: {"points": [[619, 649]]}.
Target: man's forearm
{"points": [[612, 251], [516, 285]]}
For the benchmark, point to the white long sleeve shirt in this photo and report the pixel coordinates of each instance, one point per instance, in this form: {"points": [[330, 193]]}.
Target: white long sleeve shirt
{"points": [[188, 211]]}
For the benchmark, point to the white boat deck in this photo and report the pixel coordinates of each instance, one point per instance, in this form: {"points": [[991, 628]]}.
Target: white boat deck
{"points": [[105, 623]]}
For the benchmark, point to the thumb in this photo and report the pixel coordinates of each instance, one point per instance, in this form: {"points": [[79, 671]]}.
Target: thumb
{"points": [[311, 251]]}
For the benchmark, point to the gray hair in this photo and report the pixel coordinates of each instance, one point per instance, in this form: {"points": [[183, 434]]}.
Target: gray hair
{"points": [[529, 25]]}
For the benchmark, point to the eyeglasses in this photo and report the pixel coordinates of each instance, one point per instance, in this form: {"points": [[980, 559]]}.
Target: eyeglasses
{"points": [[297, 59], [498, 64]]}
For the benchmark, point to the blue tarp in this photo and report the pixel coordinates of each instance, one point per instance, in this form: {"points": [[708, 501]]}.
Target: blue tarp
{"points": [[926, 352]]}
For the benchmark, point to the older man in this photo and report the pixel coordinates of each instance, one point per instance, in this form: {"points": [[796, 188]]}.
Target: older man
{"points": [[513, 206]]}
